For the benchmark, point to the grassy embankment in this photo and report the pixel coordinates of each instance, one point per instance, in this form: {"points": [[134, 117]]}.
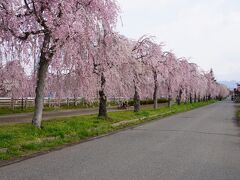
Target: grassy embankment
{"points": [[237, 114], [19, 140], [8, 111]]}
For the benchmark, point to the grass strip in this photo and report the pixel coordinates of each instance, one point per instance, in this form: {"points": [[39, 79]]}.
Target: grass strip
{"points": [[17, 140], [237, 106], [17, 110]]}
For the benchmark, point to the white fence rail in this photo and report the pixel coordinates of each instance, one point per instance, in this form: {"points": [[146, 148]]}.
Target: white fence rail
{"points": [[50, 102]]}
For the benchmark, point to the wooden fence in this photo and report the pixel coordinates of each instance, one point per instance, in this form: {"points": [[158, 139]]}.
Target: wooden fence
{"points": [[25, 103]]}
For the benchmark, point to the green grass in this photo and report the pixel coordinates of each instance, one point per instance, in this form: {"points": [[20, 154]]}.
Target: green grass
{"points": [[6, 111], [24, 139], [16, 110], [237, 113]]}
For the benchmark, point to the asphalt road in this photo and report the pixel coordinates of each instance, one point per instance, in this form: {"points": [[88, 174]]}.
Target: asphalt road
{"points": [[203, 144]]}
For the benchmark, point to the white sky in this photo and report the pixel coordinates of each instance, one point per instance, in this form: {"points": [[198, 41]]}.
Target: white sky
{"points": [[208, 31]]}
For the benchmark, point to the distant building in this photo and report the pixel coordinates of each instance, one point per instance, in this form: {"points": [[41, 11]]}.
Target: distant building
{"points": [[236, 94], [238, 88]]}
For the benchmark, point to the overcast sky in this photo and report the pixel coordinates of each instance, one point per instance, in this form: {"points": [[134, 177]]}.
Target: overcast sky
{"points": [[208, 31]]}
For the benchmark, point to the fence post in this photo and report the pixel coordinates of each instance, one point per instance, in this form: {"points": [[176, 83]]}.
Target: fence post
{"points": [[12, 103], [68, 102], [49, 102], [59, 102], [22, 103], [25, 103], [75, 101]]}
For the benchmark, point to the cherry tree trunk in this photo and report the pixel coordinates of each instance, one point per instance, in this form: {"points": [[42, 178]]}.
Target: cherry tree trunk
{"points": [[136, 100], [169, 101], [39, 99], [45, 59], [155, 93], [191, 99], [186, 97], [179, 97], [169, 97], [195, 97], [199, 98], [102, 99], [209, 97]]}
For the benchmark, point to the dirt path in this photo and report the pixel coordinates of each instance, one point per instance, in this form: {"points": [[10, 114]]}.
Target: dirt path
{"points": [[27, 117]]}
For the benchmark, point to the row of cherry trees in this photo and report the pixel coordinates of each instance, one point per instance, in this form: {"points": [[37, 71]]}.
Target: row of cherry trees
{"points": [[70, 48]]}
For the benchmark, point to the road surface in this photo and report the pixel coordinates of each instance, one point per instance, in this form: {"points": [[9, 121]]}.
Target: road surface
{"points": [[203, 144]]}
